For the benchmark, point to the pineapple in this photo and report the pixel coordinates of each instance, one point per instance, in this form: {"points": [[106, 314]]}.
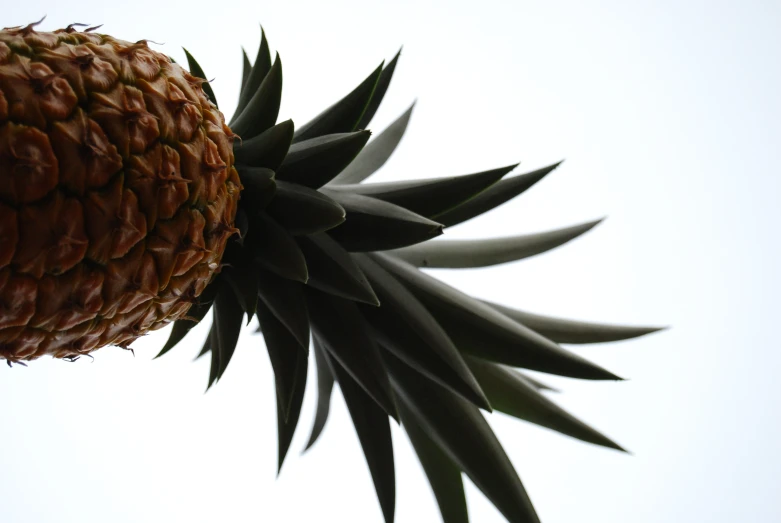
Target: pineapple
{"points": [[127, 203]]}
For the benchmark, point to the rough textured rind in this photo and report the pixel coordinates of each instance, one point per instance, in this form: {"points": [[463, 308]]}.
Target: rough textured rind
{"points": [[118, 192]]}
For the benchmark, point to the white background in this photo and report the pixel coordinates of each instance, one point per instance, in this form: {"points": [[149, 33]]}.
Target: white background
{"points": [[668, 116]]}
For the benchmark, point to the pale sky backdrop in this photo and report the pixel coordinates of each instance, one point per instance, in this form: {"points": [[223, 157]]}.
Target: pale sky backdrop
{"points": [[669, 117]]}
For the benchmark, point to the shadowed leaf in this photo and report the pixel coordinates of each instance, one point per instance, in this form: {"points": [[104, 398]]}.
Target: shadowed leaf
{"points": [[376, 152], [262, 110], [268, 149], [314, 162], [197, 71], [257, 73], [276, 250], [494, 196], [344, 115], [379, 93], [194, 316], [285, 299], [301, 210], [325, 385]]}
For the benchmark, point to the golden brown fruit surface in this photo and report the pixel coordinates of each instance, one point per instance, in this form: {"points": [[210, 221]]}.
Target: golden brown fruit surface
{"points": [[117, 191]]}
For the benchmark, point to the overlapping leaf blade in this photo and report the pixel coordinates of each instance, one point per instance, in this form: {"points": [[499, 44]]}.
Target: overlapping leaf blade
{"points": [[325, 386], [276, 250], [493, 197], [379, 93], [228, 317], [301, 210], [459, 429], [314, 162], [371, 424], [259, 189], [429, 197], [286, 425], [256, 74], [404, 326], [262, 110], [268, 149], [376, 152], [344, 115], [194, 316], [510, 392], [332, 269], [285, 299], [461, 254], [285, 351], [375, 225], [478, 329], [339, 326], [562, 330], [443, 475]]}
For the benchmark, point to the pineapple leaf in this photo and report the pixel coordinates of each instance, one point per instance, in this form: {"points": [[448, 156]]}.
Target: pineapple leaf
{"points": [[325, 386], [240, 276], [228, 317], [443, 475], [284, 351], [285, 299], [537, 384], [403, 326], [286, 425], [197, 71], [379, 93], [376, 152], [261, 112], [268, 149], [459, 429], [259, 188], [333, 270], [428, 197], [301, 210], [460, 254], [375, 225], [373, 429], [510, 392], [256, 75], [477, 329], [194, 316], [314, 162], [570, 331], [276, 250], [344, 115], [342, 331], [495, 196], [246, 69]]}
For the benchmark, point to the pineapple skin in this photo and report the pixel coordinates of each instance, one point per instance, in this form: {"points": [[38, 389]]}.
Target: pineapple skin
{"points": [[118, 192]]}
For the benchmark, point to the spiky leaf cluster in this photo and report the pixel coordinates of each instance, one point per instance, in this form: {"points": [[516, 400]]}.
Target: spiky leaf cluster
{"points": [[323, 256]]}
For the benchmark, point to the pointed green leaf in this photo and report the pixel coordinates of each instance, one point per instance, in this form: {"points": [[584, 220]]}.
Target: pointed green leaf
{"points": [[228, 316], [239, 275], [268, 149], [537, 384], [285, 299], [344, 115], [325, 385], [285, 351], [572, 331], [259, 189], [332, 269], [493, 197], [262, 110], [404, 326], [461, 254], [443, 475], [510, 392], [371, 425], [459, 429], [194, 316], [375, 225], [301, 210], [286, 425], [276, 250], [379, 93], [376, 152], [480, 330], [314, 162], [258, 72], [197, 71], [428, 197], [342, 331], [246, 68]]}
